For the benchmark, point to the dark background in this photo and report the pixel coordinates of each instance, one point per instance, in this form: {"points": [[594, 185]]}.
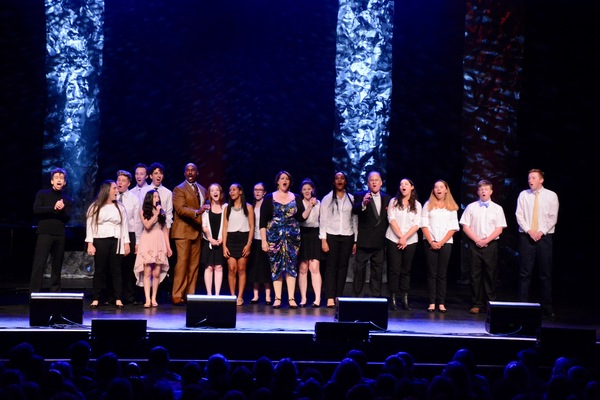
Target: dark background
{"points": [[245, 89]]}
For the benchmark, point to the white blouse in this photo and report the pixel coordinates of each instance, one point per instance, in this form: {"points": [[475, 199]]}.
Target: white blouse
{"points": [[439, 221], [110, 224], [405, 220]]}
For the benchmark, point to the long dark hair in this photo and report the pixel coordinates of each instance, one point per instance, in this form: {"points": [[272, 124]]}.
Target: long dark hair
{"points": [[148, 207], [100, 201], [412, 207], [242, 199], [334, 206]]}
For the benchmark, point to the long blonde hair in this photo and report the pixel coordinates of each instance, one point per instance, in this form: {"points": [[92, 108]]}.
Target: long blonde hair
{"points": [[449, 203]]}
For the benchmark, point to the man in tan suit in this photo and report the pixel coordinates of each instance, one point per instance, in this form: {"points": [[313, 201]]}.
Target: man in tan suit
{"points": [[188, 200]]}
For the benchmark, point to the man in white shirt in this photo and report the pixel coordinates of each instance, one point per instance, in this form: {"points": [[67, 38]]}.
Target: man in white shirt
{"points": [[483, 222], [536, 228], [132, 206]]}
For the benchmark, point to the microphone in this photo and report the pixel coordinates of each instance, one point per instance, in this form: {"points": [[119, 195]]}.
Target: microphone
{"points": [[162, 211]]}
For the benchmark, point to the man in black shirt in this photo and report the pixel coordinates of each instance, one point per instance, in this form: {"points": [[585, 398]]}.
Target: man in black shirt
{"points": [[53, 210]]}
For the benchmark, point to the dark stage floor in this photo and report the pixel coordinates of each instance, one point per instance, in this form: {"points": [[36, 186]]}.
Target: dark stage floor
{"points": [[277, 333]]}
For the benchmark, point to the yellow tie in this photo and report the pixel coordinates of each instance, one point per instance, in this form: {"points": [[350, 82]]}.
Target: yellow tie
{"points": [[536, 211]]}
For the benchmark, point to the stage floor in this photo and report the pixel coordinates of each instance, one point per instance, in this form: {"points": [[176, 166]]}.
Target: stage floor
{"points": [[261, 330]]}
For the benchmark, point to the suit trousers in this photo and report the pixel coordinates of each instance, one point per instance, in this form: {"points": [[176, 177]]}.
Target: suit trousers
{"points": [[185, 276], [376, 258], [532, 252]]}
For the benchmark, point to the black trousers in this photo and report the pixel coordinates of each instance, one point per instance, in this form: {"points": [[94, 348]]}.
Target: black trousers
{"points": [[336, 264], [374, 257], [483, 270], [107, 263], [53, 245], [127, 275], [399, 264]]}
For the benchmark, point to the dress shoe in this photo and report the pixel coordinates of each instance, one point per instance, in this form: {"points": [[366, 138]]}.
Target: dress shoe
{"points": [[254, 301], [316, 305], [292, 304], [302, 305], [268, 302], [178, 301], [94, 305], [548, 312], [394, 304], [119, 306], [240, 302], [405, 305], [443, 310], [474, 310], [431, 308]]}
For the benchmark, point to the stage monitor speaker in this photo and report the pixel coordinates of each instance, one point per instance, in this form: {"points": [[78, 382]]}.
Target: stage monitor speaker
{"points": [[355, 309], [513, 318], [211, 311], [127, 338], [568, 342], [46, 309], [342, 332], [128, 329]]}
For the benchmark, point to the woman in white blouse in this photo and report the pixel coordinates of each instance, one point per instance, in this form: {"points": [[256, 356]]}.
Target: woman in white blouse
{"points": [[404, 215], [107, 240], [439, 222]]}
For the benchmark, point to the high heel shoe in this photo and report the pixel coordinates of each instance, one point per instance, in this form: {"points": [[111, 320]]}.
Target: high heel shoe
{"points": [[302, 305], [316, 305], [275, 304], [95, 304], [431, 308], [119, 305], [442, 309], [293, 306], [254, 301], [268, 302]]}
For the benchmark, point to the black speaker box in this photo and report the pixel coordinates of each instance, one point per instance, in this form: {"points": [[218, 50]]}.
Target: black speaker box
{"points": [[342, 332], [127, 329], [127, 338], [355, 309], [513, 318], [569, 342], [210, 311], [46, 309]]}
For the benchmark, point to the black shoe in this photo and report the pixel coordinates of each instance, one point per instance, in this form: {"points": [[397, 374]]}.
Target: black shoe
{"points": [[405, 305], [276, 306], [316, 305], [268, 302], [253, 301], [548, 312], [394, 304], [292, 304]]}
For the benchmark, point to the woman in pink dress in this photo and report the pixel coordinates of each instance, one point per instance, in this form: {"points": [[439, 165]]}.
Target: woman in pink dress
{"points": [[151, 263]]}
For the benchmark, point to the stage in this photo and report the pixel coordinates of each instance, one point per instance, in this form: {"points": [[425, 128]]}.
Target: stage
{"points": [[303, 334]]}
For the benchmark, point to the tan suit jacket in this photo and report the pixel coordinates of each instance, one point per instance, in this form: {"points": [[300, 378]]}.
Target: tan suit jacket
{"points": [[185, 203], [186, 231]]}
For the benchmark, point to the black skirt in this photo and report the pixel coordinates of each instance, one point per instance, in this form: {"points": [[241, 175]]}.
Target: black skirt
{"points": [[310, 244], [236, 242], [212, 256], [259, 268]]}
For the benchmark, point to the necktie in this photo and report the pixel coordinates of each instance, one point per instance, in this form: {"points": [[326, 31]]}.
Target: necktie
{"points": [[196, 191], [536, 211], [120, 197]]}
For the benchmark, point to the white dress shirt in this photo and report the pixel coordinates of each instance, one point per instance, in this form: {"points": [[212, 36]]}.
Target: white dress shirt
{"points": [[336, 218], [548, 209]]}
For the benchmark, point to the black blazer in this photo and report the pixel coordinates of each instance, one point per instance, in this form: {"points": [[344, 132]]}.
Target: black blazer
{"points": [[371, 228]]}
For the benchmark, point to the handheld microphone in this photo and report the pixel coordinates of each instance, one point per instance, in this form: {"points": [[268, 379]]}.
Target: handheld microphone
{"points": [[162, 211]]}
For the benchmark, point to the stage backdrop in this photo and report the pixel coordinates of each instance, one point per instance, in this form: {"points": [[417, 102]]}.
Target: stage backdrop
{"points": [[245, 89]]}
